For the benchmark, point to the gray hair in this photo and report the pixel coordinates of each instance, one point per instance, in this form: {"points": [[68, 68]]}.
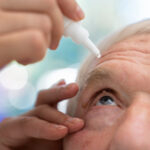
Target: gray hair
{"points": [[131, 30]]}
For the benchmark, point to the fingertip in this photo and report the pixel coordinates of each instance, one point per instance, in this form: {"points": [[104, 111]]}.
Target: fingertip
{"points": [[73, 88], [76, 124], [79, 14], [71, 9], [61, 82], [54, 45]]}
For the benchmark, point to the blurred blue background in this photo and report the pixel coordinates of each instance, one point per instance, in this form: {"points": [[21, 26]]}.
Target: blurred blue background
{"points": [[19, 84]]}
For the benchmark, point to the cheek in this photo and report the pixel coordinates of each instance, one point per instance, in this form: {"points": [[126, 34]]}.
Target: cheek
{"points": [[100, 117], [100, 124], [88, 140]]}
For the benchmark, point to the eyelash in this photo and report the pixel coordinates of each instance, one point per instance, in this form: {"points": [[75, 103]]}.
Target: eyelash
{"points": [[104, 92]]}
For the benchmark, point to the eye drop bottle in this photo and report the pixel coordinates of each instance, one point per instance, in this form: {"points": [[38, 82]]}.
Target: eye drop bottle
{"points": [[79, 35]]}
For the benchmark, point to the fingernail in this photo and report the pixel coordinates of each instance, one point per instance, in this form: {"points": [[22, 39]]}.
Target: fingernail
{"points": [[62, 81], [54, 45], [79, 13], [75, 120], [59, 127], [25, 61], [75, 124]]}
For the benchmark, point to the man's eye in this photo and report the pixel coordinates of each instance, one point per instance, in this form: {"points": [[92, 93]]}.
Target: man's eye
{"points": [[106, 100]]}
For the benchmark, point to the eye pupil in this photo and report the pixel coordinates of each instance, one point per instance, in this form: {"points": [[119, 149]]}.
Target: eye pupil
{"points": [[106, 100]]}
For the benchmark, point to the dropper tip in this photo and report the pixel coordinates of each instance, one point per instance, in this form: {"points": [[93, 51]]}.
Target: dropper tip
{"points": [[98, 55], [96, 51], [90, 45]]}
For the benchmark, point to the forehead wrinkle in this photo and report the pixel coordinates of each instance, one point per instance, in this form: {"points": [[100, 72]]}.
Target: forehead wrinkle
{"points": [[134, 48]]}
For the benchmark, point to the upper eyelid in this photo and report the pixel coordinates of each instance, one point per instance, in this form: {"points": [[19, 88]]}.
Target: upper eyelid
{"points": [[108, 90], [105, 89]]}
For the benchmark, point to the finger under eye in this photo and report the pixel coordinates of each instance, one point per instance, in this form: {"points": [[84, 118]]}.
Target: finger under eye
{"points": [[50, 114], [43, 129], [31, 127]]}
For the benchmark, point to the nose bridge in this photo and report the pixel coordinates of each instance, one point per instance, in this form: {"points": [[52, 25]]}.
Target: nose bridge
{"points": [[134, 130], [139, 110]]}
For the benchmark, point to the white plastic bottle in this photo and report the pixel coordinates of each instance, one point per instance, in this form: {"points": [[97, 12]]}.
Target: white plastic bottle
{"points": [[79, 35]]}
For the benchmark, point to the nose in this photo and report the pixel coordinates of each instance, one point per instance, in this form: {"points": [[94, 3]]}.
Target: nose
{"points": [[133, 132]]}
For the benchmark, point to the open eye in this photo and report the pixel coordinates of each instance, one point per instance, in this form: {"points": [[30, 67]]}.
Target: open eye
{"points": [[106, 100], [106, 97]]}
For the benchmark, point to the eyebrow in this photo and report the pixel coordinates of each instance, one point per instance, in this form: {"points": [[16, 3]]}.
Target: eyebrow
{"points": [[99, 74]]}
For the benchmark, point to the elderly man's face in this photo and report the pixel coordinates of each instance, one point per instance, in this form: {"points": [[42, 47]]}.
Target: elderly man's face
{"points": [[115, 101]]}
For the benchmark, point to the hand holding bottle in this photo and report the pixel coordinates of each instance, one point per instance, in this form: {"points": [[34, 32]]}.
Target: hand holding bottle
{"points": [[29, 27]]}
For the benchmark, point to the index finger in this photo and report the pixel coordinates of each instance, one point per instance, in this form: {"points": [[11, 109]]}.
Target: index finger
{"points": [[56, 94], [71, 9]]}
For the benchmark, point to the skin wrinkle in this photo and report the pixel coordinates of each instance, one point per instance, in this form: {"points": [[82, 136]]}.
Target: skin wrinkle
{"points": [[127, 47], [133, 56], [121, 47], [140, 43], [125, 54], [124, 68]]}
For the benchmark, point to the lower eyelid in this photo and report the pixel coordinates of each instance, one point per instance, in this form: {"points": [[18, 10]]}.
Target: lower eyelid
{"points": [[102, 108]]}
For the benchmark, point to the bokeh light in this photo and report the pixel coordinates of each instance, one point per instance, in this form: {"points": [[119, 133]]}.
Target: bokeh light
{"points": [[23, 98], [3, 100], [14, 77]]}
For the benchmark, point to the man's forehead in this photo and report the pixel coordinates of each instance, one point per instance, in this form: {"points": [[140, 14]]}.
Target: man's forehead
{"points": [[133, 49], [139, 42]]}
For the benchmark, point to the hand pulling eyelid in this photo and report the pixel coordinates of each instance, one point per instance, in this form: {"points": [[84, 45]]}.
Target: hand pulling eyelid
{"points": [[79, 35]]}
